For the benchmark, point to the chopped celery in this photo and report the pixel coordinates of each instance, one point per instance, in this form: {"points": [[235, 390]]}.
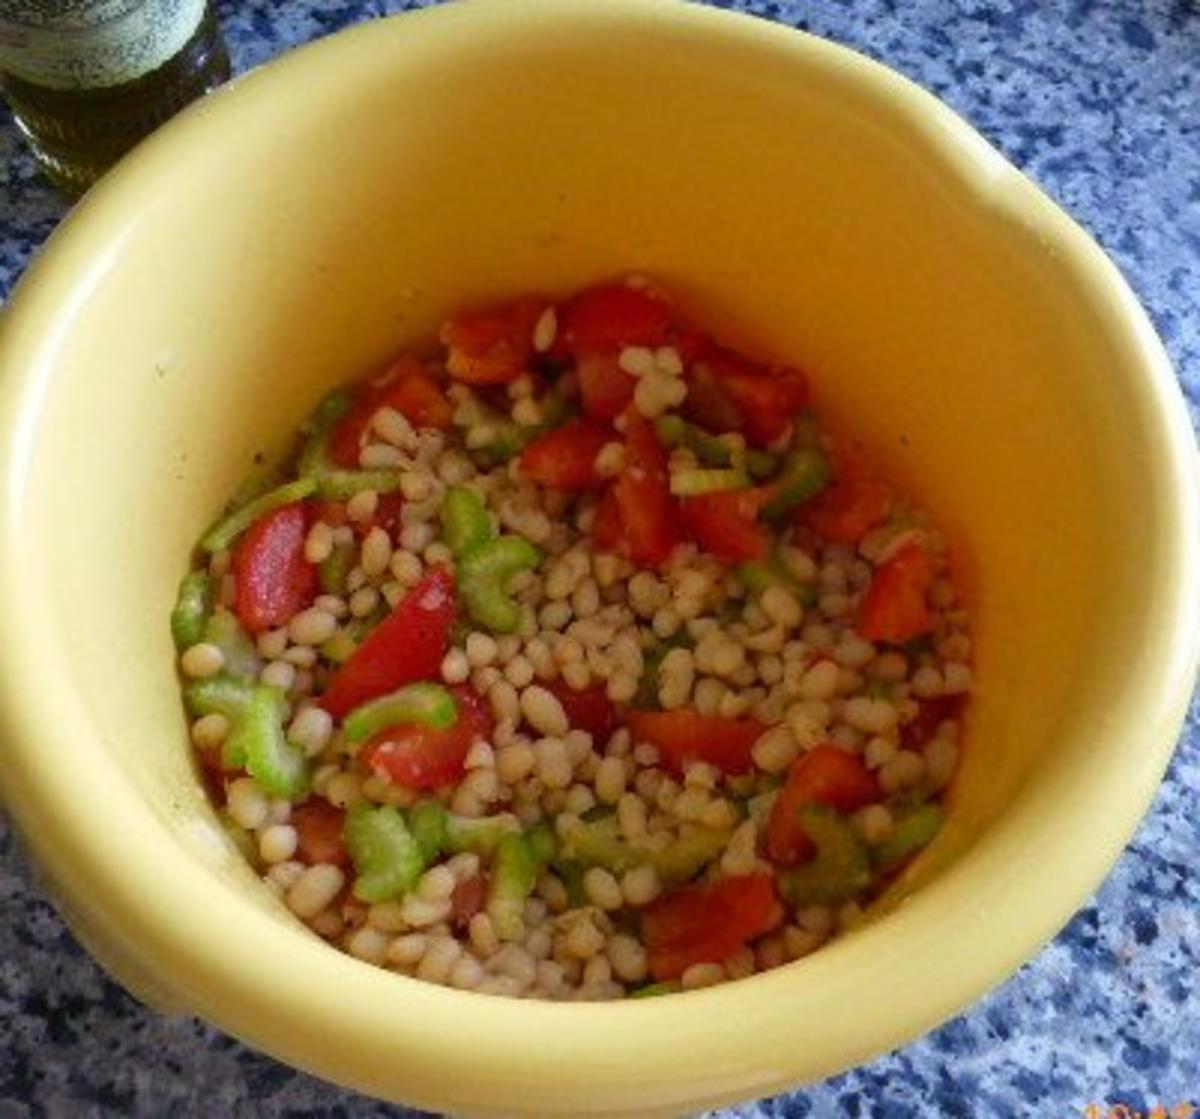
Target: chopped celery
{"points": [[758, 808], [509, 438], [428, 823], [192, 605], [542, 844], [841, 869], [430, 705], [257, 741], [654, 990], [571, 872], [221, 694], [335, 568], [231, 526], [716, 450], [387, 858], [484, 575], [514, 873], [341, 485], [340, 647], [465, 521], [671, 430], [314, 455], [758, 575], [805, 474], [692, 483], [237, 647], [711, 450], [647, 694], [600, 844], [761, 464], [690, 853], [482, 835], [910, 834]]}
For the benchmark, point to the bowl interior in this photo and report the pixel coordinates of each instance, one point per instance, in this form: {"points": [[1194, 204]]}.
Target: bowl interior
{"points": [[297, 231]]}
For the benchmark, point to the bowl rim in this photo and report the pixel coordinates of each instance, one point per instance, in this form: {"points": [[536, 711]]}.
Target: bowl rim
{"points": [[408, 1039]]}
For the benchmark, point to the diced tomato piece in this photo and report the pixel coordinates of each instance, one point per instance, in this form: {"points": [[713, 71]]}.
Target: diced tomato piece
{"points": [[319, 832], [728, 391], [643, 495], [467, 899], [825, 775], [492, 345], [605, 387], [274, 580], [346, 438], [590, 710], [331, 512], [605, 318], [850, 506], [566, 457], [214, 774], [607, 533], [708, 403], [707, 924], [768, 396], [684, 735], [406, 386], [690, 344], [408, 645], [725, 523], [386, 515], [420, 757], [931, 713], [213, 777], [894, 608], [419, 398]]}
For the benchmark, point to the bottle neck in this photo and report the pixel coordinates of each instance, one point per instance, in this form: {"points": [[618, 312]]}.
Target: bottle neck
{"points": [[55, 45]]}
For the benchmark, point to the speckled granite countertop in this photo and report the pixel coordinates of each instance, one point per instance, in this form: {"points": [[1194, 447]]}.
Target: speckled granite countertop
{"points": [[1099, 100]]}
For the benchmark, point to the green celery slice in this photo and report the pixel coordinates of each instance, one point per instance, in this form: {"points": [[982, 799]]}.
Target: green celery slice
{"points": [[693, 483], [465, 521], [341, 485], [193, 603], [426, 704], [238, 650], [841, 868], [387, 858], [230, 527], [514, 873], [484, 575], [314, 455], [911, 833]]}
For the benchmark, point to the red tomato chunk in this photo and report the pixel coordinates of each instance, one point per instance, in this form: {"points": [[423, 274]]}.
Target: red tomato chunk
{"points": [[707, 924], [274, 580], [406, 646]]}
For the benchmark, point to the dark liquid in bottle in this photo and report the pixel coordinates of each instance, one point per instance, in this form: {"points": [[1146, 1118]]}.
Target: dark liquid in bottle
{"points": [[77, 134]]}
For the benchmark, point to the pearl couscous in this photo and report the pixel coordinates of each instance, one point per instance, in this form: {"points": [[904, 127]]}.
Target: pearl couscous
{"points": [[575, 661]]}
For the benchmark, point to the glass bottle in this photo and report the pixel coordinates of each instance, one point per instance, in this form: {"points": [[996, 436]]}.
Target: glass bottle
{"points": [[87, 79]]}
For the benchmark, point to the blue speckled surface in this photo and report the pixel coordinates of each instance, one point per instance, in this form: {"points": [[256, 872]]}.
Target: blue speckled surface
{"points": [[1100, 101]]}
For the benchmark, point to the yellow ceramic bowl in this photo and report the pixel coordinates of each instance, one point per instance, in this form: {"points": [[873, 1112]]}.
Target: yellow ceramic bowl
{"points": [[300, 227]]}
